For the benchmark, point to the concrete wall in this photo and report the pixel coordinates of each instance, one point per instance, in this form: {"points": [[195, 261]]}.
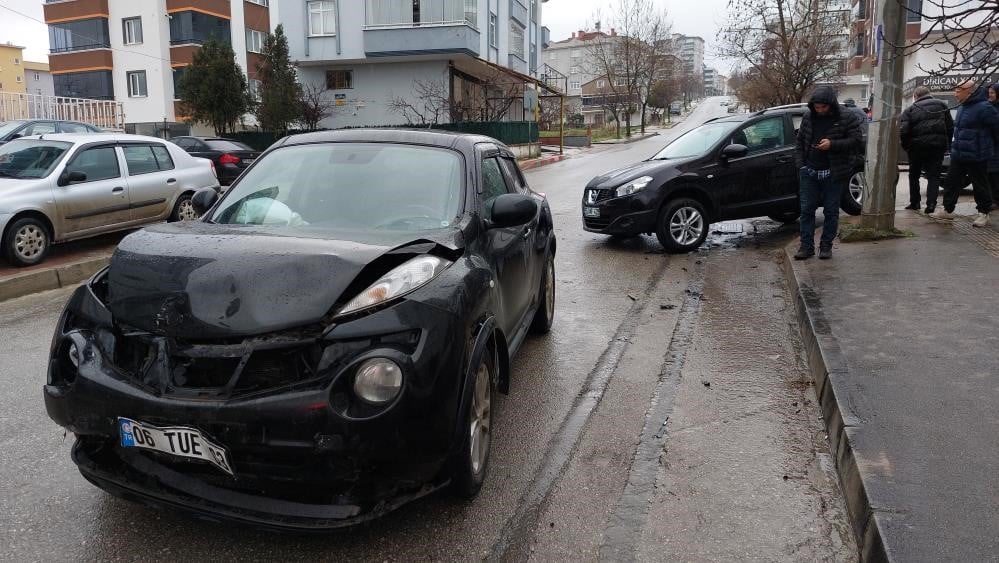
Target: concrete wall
{"points": [[43, 85], [11, 74], [152, 55]]}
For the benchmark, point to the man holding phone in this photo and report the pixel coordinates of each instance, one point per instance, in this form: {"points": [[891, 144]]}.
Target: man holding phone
{"points": [[829, 141]]}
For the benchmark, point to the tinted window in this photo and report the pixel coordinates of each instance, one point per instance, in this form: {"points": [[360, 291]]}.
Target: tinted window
{"points": [[9, 127], [99, 163], [30, 158], [493, 184], [513, 174], [183, 142], [40, 128], [163, 158], [226, 145], [96, 84], [762, 135], [354, 186], [697, 141], [78, 34], [140, 159], [76, 128]]}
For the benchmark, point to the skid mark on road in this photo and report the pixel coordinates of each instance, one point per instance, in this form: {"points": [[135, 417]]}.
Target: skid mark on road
{"points": [[624, 528], [514, 542]]}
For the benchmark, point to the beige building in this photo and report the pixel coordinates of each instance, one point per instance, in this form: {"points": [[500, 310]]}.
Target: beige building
{"points": [[12, 69]]}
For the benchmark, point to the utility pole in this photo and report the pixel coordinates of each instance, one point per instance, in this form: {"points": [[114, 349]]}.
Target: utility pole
{"points": [[882, 143]]}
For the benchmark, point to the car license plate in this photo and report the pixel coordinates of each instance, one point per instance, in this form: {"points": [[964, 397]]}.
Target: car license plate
{"points": [[248, 160], [179, 441], [591, 212]]}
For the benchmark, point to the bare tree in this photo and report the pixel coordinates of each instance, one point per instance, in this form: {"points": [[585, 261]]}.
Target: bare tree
{"points": [[553, 111], [315, 105], [789, 45], [656, 60], [429, 104], [661, 95], [962, 32]]}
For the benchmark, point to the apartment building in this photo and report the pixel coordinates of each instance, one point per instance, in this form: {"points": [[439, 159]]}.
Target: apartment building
{"points": [[573, 59], [135, 51], [690, 50], [12, 69], [373, 56], [38, 79]]}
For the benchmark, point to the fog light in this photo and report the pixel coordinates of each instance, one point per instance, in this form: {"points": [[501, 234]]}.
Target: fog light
{"points": [[378, 381]]}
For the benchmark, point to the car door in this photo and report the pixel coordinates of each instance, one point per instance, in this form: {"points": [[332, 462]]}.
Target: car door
{"points": [[532, 233], [507, 248], [151, 180], [749, 186], [101, 201]]}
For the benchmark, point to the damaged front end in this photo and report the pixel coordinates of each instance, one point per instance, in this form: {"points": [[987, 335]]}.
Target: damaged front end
{"points": [[306, 449]]}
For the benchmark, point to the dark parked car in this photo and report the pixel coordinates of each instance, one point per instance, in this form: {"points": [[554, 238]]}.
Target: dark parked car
{"points": [[733, 167], [323, 345], [10, 130], [231, 157]]}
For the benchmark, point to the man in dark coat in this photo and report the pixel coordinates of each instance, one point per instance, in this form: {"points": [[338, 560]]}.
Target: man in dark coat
{"points": [[829, 142], [976, 129], [926, 129], [993, 167]]}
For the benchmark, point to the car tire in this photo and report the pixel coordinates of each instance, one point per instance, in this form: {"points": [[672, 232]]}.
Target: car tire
{"points": [[544, 316], [683, 225], [26, 242], [853, 196], [183, 210], [786, 217], [470, 464]]}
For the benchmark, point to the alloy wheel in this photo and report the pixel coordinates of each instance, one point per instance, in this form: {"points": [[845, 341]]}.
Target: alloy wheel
{"points": [[686, 225], [480, 422], [185, 211], [550, 290], [29, 242], [857, 182]]}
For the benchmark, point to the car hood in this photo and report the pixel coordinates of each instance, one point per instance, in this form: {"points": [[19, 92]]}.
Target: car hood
{"points": [[615, 178], [200, 280]]}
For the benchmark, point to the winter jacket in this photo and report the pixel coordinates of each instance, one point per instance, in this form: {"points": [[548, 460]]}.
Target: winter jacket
{"points": [[976, 129], [845, 136], [994, 161], [927, 124]]}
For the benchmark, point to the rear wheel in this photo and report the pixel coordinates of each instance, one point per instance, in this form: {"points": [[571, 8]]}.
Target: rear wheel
{"points": [[683, 226], [471, 459], [183, 210], [853, 197], [26, 242], [545, 314]]}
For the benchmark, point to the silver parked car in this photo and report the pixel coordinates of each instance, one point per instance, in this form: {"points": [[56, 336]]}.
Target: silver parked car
{"points": [[60, 187]]}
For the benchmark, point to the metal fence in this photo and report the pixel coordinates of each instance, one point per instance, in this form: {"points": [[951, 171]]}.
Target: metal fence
{"points": [[106, 114]]}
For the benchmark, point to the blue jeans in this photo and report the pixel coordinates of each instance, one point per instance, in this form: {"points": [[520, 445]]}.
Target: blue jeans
{"points": [[812, 193]]}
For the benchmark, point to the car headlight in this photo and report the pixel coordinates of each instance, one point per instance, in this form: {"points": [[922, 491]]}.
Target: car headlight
{"points": [[404, 279], [378, 381], [633, 186]]}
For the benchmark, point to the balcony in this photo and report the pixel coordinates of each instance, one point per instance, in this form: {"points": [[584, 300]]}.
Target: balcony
{"points": [[517, 63], [421, 40], [518, 12], [80, 9], [546, 37]]}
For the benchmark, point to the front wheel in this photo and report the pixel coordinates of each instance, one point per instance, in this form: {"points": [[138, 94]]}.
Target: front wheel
{"points": [[26, 242], [183, 210], [683, 226], [471, 458], [853, 197]]}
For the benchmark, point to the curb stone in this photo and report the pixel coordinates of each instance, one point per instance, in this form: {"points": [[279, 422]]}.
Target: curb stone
{"points": [[65, 275], [828, 366], [539, 162]]}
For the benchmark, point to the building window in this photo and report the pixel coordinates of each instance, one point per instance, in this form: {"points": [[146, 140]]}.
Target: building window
{"points": [[534, 10], [131, 31], [574, 85], [136, 84], [553, 56], [516, 39], [493, 29], [19, 79], [339, 79], [914, 13], [254, 86], [260, 2], [78, 35], [255, 41], [197, 28], [178, 76], [37, 77], [96, 85], [322, 18], [17, 61], [601, 83], [413, 12], [574, 69], [575, 54]]}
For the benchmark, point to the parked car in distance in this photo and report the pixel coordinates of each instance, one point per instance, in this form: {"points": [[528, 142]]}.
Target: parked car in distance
{"points": [[676, 108], [330, 334], [10, 130], [66, 186], [731, 167], [231, 157]]}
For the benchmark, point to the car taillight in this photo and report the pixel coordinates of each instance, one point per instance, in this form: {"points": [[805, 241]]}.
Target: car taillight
{"points": [[229, 159]]}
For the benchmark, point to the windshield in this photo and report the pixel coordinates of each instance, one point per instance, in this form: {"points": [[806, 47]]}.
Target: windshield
{"points": [[356, 186], [226, 145], [697, 141], [30, 158], [7, 127]]}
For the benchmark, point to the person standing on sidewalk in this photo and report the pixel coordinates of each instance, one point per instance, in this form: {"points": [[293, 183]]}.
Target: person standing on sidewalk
{"points": [[828, 142], [976, 129], [993, 167], [926, 130]]}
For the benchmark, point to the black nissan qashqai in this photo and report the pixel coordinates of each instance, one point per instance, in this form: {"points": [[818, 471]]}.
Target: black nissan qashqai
{"points": [[323, 345], [733, 167]]}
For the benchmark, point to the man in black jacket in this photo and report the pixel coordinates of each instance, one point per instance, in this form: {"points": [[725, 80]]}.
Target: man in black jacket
{"points": [[926, 130], [829, 141]]}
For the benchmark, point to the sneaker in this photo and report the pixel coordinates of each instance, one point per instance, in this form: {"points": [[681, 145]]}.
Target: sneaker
{"points": [[981, 220], [913, 206], [825, 253], [943, 214], [804, 253]]}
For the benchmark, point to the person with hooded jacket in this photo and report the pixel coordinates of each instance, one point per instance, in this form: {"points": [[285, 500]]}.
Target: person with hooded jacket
{"points": [[976, 129], [993, 167], [926, 128], [829, 142]]}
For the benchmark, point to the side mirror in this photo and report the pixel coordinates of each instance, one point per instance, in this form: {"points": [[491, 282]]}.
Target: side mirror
{"points": [[734, 151], [204, 199], [68, 177], [510, 210]]}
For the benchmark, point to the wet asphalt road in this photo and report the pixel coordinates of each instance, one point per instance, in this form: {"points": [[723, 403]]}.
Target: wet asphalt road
{"points": [[666, 417]]}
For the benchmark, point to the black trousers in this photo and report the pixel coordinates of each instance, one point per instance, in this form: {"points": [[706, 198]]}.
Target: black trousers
{"points": [[930, 161], [994, 184], [961, 171]]}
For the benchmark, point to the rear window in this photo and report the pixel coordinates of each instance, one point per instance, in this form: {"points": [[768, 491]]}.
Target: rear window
{"points": [[143, 159], [224, 145]]}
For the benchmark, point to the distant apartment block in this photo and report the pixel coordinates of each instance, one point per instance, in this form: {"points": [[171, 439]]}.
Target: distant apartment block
{"points": [[135, 51]]}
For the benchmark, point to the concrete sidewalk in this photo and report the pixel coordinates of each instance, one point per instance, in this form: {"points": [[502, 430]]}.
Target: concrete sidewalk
{"points": [[902, 338]]}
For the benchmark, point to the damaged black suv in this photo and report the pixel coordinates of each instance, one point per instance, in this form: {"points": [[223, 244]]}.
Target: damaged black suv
{"points": [[323, 345]]}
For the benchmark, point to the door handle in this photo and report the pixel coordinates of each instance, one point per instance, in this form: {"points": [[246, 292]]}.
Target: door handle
{"points": [[117, 190], [527, 232], [172, 181]]}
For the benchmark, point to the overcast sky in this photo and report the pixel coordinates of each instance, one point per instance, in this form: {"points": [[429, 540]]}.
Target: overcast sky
{"points": [[689, 17]]}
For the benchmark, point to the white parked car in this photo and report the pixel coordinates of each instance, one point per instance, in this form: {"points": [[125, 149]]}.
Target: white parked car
{"points": [[60, 187]]}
